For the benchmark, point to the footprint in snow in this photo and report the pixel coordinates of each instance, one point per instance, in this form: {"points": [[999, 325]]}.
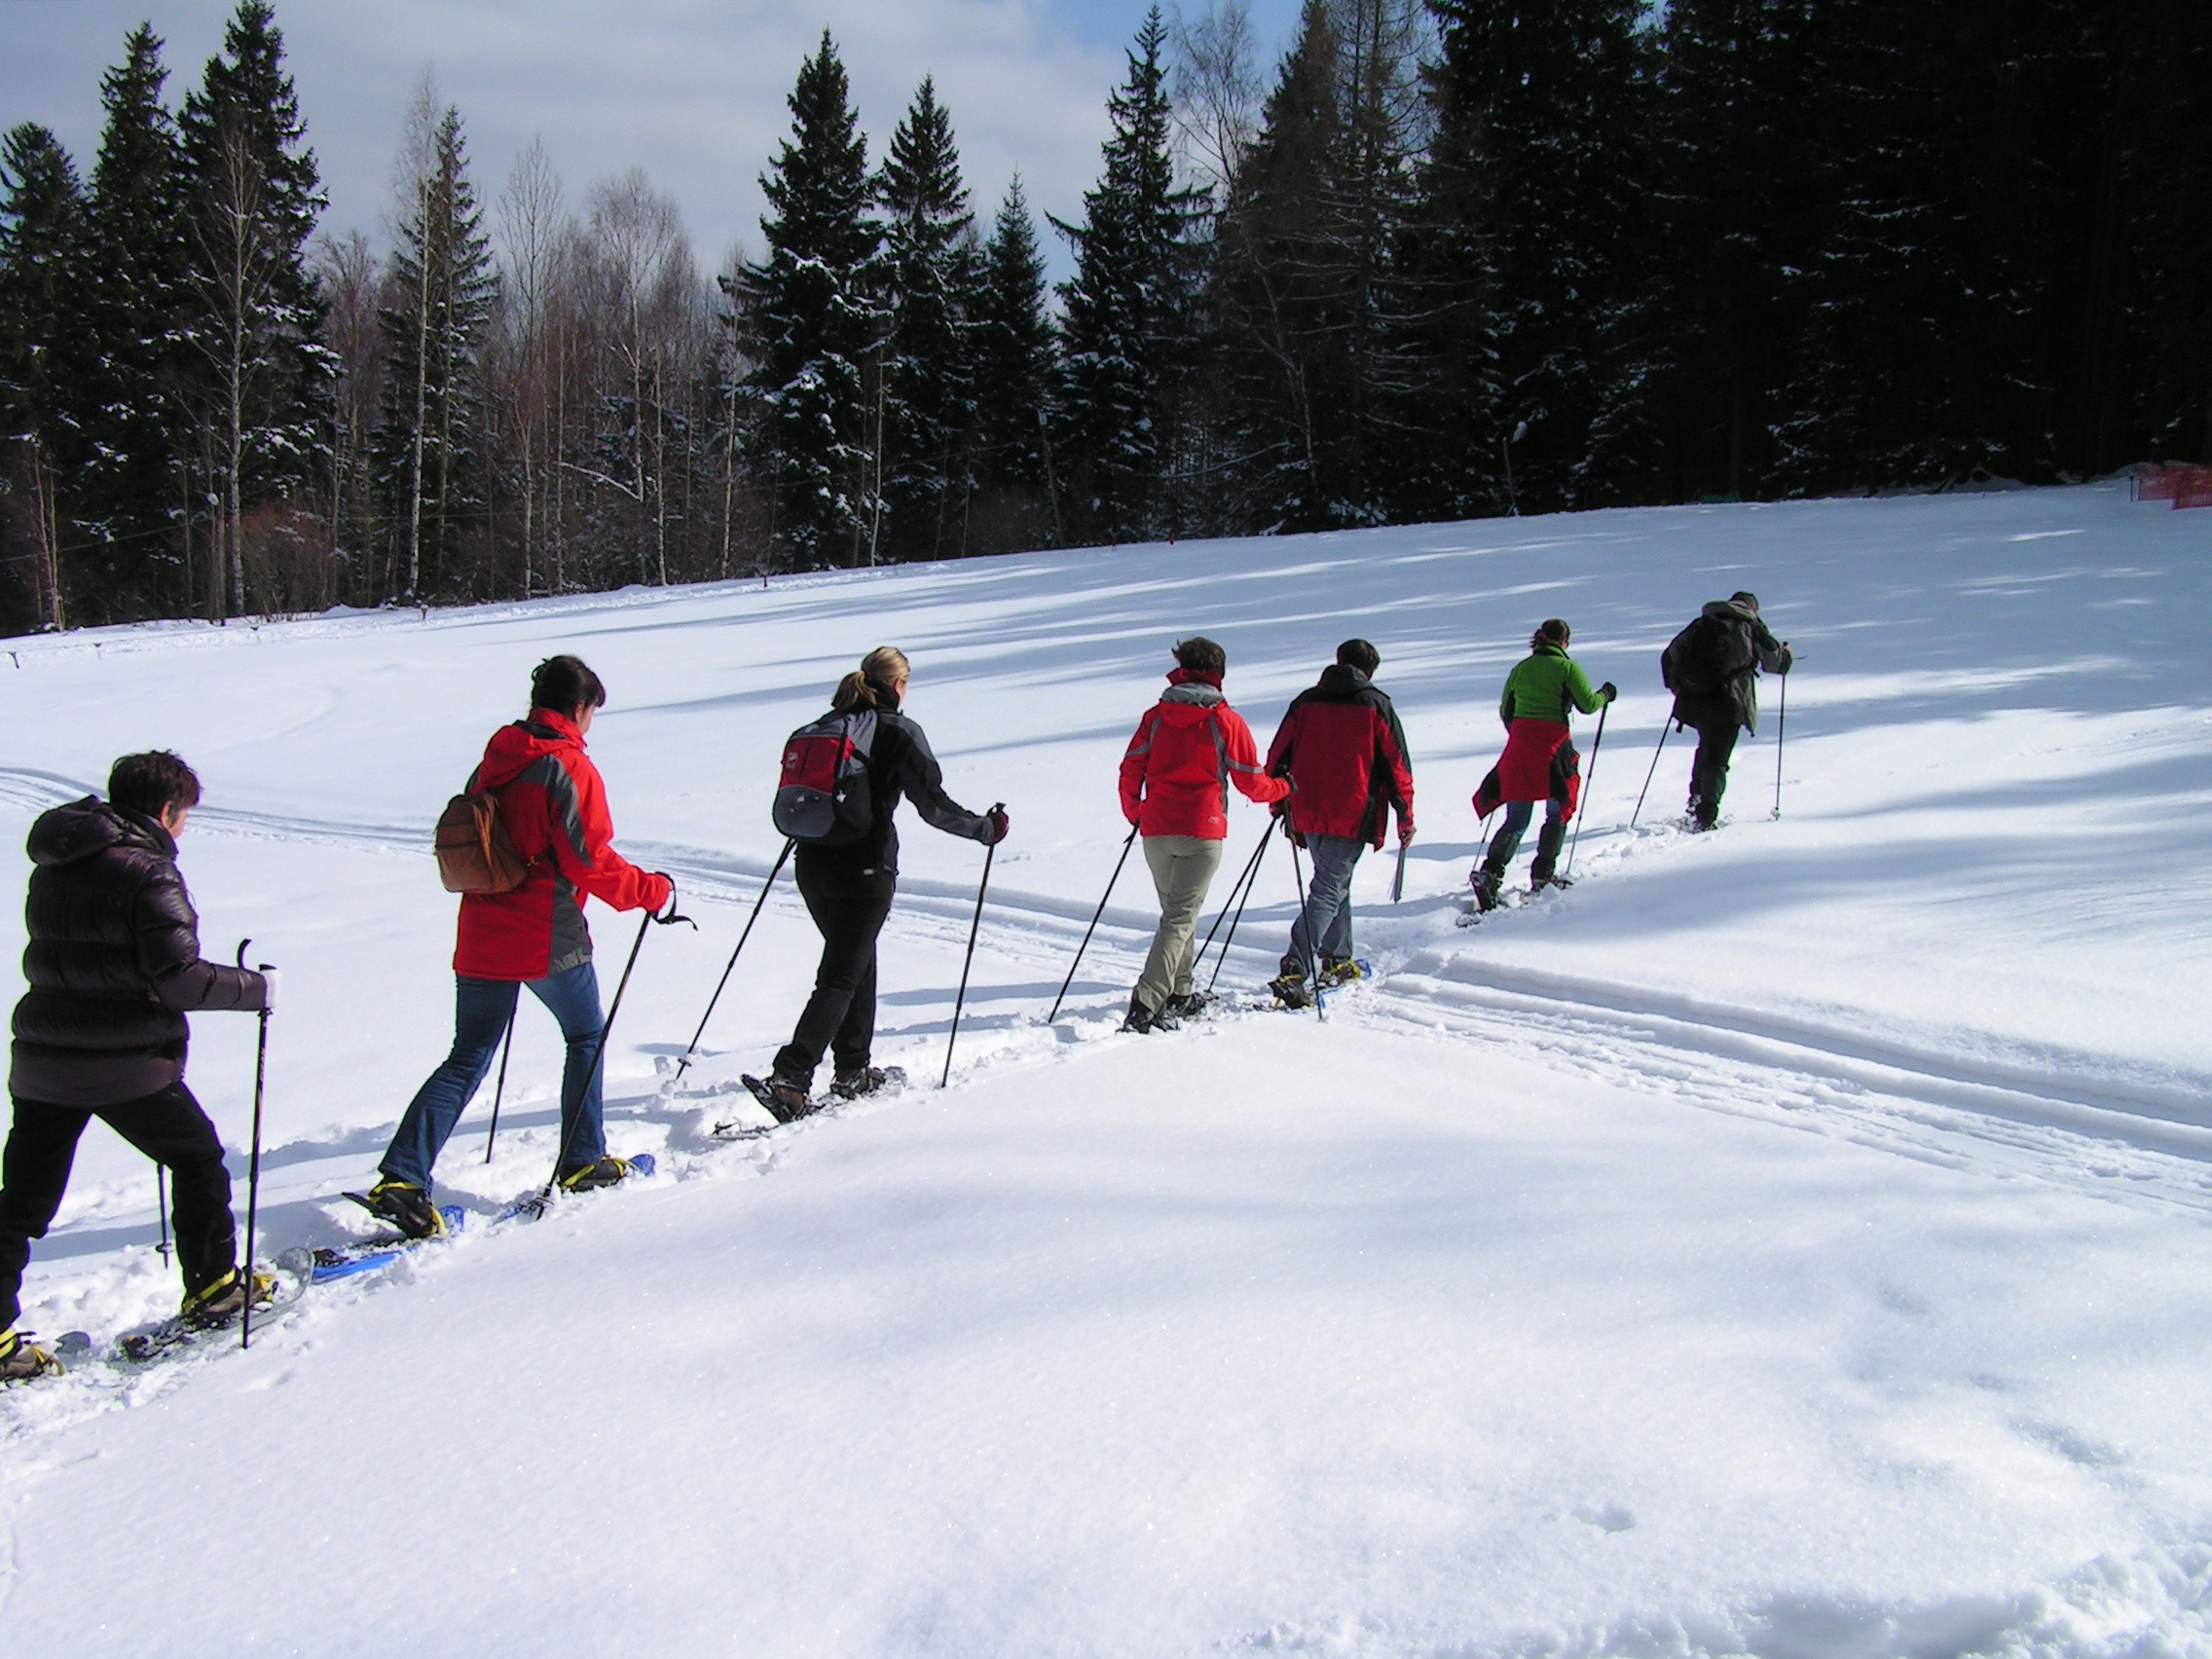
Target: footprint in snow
{"points": [[1612, 1518]]}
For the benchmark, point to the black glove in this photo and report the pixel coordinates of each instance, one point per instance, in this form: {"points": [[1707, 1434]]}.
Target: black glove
{"points": [[998, 820], [1609, 692]]}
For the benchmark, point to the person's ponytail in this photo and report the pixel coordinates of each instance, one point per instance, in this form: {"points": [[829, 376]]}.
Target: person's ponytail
{"points": [[853, 692], [1553, 633], [875, 685]]}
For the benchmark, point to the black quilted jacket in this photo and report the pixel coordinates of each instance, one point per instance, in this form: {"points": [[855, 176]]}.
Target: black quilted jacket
{"points": [[112, 961]]}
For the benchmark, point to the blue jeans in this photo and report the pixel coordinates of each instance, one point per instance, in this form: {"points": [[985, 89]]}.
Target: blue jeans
{"points": [[482, 1008], [1507, 841], [1328, 901]]}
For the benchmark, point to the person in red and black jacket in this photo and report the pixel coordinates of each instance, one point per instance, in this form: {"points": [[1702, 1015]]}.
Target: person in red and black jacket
{"points": [[1189, 748], [114, 965], [1342, 746], [553, 806]]}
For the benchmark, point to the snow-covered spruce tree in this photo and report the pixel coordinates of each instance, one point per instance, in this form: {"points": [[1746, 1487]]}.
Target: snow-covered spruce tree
{"points": [[1306, 278], [135, 505], [1128, 316], [1532, 186], [262, 377], [1016, 503], [926, 395], [44, 362], [816, 323]]}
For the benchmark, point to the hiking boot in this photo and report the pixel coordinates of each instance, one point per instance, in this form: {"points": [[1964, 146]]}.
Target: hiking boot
{"points": [[21, 1359], [606, 1173], [1143, 1017], [1486, 882], [1543, 872], [1290, 990], [1190, 1005], [864, 1081], [1338, 971], [405, 1205], [223, 1301]]}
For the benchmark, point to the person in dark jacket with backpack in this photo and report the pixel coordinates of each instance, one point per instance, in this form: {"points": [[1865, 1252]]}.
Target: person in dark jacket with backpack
{"points": [[1712, 668], [114, 965], [1343, 749], [1188, 750], [552, 805], [848, 885], [1540, 763]]}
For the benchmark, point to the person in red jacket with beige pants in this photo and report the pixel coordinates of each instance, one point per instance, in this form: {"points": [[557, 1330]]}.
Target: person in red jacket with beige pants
{"points": [[1189, 748], [554, 807]]}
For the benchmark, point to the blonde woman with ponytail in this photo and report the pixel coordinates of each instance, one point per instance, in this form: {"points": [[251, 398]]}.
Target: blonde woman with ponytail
{"points": [[848, 888]]}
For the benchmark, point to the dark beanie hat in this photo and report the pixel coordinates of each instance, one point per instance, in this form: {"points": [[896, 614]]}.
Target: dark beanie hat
{"points": [[1749, 601]]}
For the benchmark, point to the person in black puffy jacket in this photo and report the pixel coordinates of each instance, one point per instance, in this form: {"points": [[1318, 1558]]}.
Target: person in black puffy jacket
{"points": [[114, 965]]}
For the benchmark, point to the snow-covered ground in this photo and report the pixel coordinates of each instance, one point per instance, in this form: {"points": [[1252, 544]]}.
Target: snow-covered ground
{"points": [[1790, 1241]]}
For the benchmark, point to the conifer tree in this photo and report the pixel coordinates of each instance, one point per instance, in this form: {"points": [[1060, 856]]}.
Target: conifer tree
{"points": [[926, 395], [1129, 314], [134, 484], [428, 444], [817, 321], [253, 199], [1017, 495], [44, 362]]}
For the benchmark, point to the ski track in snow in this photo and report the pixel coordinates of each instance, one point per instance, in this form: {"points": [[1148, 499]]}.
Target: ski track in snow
{"points": [[1794, 1073]]}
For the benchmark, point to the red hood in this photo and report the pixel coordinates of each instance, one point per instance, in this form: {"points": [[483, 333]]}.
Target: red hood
{"points": [[514, 748]]}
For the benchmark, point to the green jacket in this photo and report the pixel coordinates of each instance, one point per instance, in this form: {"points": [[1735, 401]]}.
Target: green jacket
{"points": [[1541, 686]]}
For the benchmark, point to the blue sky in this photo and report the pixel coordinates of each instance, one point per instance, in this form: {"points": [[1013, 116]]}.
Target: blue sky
{"points": [[692, 91]]}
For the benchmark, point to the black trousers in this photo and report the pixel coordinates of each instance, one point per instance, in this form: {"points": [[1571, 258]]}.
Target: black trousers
{"points": [[1708, 772], [169, 1127], [849, 905]]}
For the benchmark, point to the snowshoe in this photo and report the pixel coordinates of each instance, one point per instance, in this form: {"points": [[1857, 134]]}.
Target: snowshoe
{"points": [[1290, 989], [405, 1206], [1344, 971], [217, 1304], [868, 1079], [787, 1100], [21, 1359], [327, 1262]]}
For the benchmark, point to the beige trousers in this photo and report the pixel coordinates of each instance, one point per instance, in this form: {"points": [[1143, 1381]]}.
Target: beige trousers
{"points": [[1182, 869]]}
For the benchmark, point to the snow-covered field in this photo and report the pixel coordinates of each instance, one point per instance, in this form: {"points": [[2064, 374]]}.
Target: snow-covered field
{"points": [[1791, 1241]]}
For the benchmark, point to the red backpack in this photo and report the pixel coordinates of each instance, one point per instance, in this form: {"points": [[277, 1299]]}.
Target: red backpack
{"points": [[824, 797]]}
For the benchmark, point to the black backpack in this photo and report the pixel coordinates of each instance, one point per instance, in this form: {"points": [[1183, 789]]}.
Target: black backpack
{"points": [[825, 796], [1703, 657]]}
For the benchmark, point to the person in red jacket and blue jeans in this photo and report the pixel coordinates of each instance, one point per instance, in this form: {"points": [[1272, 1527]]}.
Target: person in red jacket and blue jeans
{"points": [[1189, 748], [553, 806], [1343, 747]]}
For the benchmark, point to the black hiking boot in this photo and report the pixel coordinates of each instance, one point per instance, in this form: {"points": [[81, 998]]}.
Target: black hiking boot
{"points": [[1144, 1017], [1190, 1005], [1290, 988], [590, 1177], [22, 1360], [220, 1303], [1543, 872], [1486, 882], [865, 1081], [405, 1205]]}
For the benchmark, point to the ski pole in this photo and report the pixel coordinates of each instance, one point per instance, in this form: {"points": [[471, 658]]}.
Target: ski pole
{"points": [[161, 1198], [733, 962], [1243, 884], [1398, 881], [1305, 915], [500, 1088], [535, 1207], [1589, 784], [1781, 721], [1665, 726], [981, 887], [1112, 881], [254, 1163], [1251, 881]]}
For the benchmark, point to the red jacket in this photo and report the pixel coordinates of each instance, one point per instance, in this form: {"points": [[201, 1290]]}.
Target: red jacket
{"points": [[1342, 744], [554, 807], [1189, 748]]}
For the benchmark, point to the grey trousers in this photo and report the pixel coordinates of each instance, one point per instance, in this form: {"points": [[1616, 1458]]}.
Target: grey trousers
{"points": [[1182, 869]]}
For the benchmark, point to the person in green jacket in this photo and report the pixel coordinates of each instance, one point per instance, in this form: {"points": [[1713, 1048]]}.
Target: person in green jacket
{"points": [[1540, 762]]}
